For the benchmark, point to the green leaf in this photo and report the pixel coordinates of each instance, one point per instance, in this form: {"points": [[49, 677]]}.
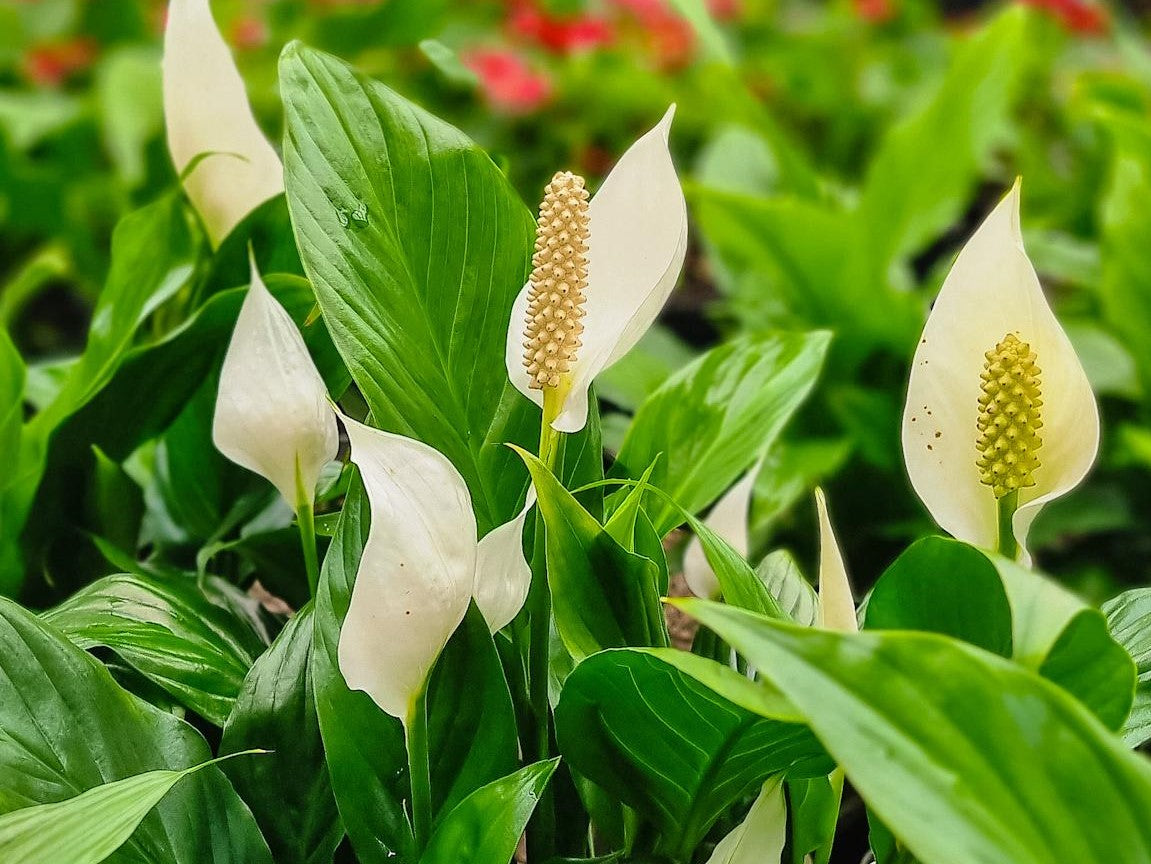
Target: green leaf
{"points": [[695, 12], [90, 827], [968, 757], [661, 742], [782, 577], [168, 631], [602, 595], [417, 246], [944, 586], [288, 790], [921, 179], [713, 418], [471, 725], [1067, 642], [67, 727], [1129, 620], [486, 826]]}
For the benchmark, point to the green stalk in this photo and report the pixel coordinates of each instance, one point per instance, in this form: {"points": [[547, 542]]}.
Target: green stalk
{"points": [[541, 829], [419, 768], [1007, 506], [306, 519]]}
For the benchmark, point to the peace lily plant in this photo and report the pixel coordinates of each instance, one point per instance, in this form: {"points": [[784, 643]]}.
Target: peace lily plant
{"points": [[377, 716], [1000, 418]]}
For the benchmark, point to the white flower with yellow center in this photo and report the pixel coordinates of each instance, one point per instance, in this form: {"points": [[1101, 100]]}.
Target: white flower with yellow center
{"points": [[601, 272], [1000, 417]]}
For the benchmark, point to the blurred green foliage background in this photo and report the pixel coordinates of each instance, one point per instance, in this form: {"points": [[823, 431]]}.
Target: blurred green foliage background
{"points": [[836, 155]]}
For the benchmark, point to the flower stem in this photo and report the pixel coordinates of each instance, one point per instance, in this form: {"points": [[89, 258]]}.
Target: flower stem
{"points": [[306, 520], [541, 829], [1008, 504], [419, 768]]}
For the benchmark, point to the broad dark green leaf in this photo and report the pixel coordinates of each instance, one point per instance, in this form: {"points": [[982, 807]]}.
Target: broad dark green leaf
{"points": [[661, 742], [169, 631], [1129, 620], [602, 595], [471, 722], [288, 789], [944, 586], [417, 246], [966, 756], [67, 727], [712, 419], [486, 827]]}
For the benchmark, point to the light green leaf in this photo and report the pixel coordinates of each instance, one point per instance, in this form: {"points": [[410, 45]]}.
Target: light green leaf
{"points": [[696, 14], [90, 827], [783, 579], [1129, 620], [487, 826], [968, 757], [712, 419]]}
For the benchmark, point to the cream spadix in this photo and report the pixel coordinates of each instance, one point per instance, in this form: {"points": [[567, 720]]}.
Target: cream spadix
{"points": [[420, 567], [836, 603], [206, 111], [728, 518], [993, 368], [602, 271], [273, 415]]}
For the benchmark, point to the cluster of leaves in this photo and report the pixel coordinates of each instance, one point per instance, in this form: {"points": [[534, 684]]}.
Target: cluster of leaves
{"points": [[988, 735]]}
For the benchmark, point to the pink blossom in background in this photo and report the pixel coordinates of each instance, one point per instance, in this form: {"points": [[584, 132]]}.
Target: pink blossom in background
{"points": [[874, 11], [569, 34], [1078, 16], [51, 64], [249, 33], [725, 10], [669, 37], [509, 84]]}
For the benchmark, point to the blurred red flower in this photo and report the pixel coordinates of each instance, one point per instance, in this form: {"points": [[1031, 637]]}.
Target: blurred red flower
{"points": [[669, 37], [567, 34], [508, 83], [249, 32], [52, 63], [875, 11], [1076, 15]]}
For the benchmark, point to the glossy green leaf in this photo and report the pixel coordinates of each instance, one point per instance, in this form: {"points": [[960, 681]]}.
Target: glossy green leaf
{"points": [[1129, 620], [486, 827], [713, 418], [661, 742], [602, 595], [1067, 642], [169, 631], [288, 790], [67, 727], [471, 724], [781, 575], [90, 827], [943, 586], [417, 246], [968, 757]]}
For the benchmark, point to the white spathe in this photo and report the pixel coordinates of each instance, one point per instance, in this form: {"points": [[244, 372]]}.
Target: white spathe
{"points": [[636, 248], [420, 568], [206, 111], [761, 836], [273, 415], [728, 518], [992, 290], [836, 603]]}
